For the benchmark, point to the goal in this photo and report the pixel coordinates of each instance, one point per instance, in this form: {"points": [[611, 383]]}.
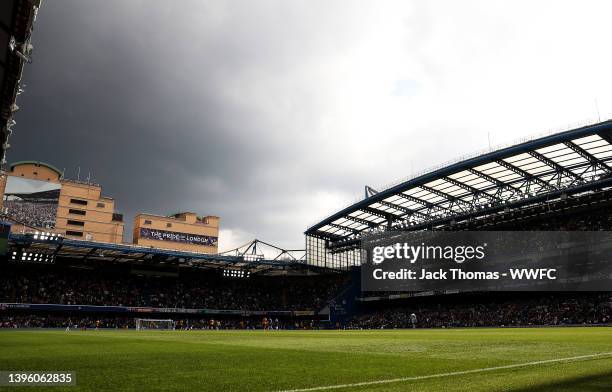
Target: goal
{"points": [[159, 324]]}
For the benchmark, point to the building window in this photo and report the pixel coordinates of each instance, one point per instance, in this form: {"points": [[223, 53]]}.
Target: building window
{"points": [[79, 202], [101, 205], [117, 217], [76, 212], [74, 233], [168, 224], [76, 223], [147, 222]]}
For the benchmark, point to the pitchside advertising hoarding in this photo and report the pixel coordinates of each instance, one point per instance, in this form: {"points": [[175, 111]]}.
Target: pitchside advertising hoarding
{"points": [[488, 261], [31, 202], [163, 235]]}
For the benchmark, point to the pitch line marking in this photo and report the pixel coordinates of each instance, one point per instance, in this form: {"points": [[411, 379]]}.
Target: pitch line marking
{"points": [[440, 375]]}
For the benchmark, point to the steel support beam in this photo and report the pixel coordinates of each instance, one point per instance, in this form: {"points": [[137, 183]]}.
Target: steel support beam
{"points": [[558, 168], [354, 231], [471, 189], [526, 175], [586, 155], [405, 210], [449, 198], [362, 221], [498, 183]]}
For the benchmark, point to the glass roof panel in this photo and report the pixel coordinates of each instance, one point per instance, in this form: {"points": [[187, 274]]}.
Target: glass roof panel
{"points": [[570, 160], [554, 147], [603, 155], [462, 175], [486, 166], [597, 149], [595, 143], [560, 153], [518, 157], [586, 139], [524, 165]]}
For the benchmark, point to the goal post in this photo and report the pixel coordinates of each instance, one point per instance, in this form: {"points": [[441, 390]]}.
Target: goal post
{"points": [[154, 324]]}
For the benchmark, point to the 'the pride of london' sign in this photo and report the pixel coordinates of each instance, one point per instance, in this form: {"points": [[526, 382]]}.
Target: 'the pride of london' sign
{"points": [[163, 235]]}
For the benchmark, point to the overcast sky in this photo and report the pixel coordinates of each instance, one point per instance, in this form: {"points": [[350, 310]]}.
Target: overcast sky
{"points": [[274, 114]]}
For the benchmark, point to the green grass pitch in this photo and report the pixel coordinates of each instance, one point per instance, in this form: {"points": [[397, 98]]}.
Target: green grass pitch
{"points": [[287, 360]]}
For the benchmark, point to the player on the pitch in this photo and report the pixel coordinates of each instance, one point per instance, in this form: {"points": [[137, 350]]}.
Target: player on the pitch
{"points": [[413, 320]]}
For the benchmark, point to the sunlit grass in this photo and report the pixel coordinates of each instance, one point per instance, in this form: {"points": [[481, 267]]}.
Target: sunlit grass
{"points": [[277, 360]]}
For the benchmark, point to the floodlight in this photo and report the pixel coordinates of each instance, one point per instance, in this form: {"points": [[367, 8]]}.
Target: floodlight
{"points": [[235, 273]]}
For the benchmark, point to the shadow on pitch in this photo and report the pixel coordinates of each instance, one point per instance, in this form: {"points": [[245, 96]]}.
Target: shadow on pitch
{"points": [[599, 382]]}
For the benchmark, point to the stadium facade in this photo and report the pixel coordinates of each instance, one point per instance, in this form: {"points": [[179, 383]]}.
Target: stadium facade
{"points": [[186, 231], [560, 171], [36, 197]]}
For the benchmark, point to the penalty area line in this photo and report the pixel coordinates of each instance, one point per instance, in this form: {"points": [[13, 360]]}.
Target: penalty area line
{"points": [[449, 374]]}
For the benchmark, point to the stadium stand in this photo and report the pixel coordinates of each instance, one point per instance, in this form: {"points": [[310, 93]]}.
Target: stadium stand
{"points": [[36, 295], [123, 322], [558, 182], [567, 167], [590, 212], [489, 310], [43, 284]]}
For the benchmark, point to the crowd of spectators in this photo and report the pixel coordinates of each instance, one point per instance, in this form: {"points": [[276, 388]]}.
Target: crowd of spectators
{"points": [[49, 321], [200, 291], [487, 311], [35, 214], [33, 321]]}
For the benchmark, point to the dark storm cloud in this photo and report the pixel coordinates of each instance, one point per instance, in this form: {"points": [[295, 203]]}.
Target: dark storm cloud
{"points": [[148, 99], [272, 113]]}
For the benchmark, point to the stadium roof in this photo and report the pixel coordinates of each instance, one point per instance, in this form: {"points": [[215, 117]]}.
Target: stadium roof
{"points": [[16, 21], [540, 169], [43, 196], [84, 251], [38, 163]]}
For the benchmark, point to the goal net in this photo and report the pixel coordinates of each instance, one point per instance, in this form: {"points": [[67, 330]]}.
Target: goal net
{"points": [[156, 324]]}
